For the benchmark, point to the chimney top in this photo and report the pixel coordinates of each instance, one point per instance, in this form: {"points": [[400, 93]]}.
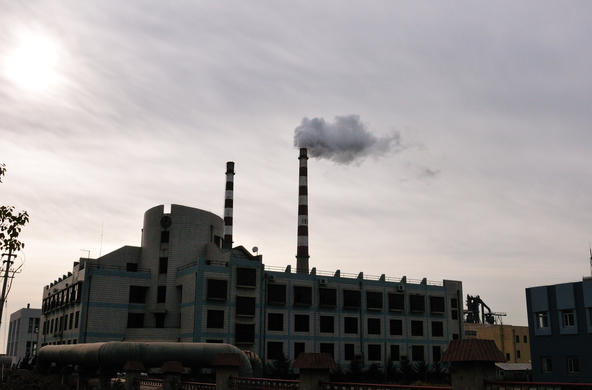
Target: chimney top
{"points": [[28, 305], [230, 167], [303, 153]]}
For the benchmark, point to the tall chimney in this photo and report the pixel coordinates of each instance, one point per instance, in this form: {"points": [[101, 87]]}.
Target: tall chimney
{"points": [[302, 251], [228, 200]]}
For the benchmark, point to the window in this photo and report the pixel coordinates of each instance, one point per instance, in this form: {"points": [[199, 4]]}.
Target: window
{"points": [[374, 352], [217, 289], [76, 318], [436, 353], [416, 328], [454, 303], [137, 294], [573, 365], [417, 303], [517, 339], [179, 289], [327, 348], [374, 300], [71, 320], [215, 319], [542, 320], [134, 320], [525, 339], [244, 333], [275, 350], [246, 277], [129, 267], [454, 314], [163, 265], [546, 364], [276, 294], [245, 306], [302, 295], [436, 304], [396, 328], [350, 325], [351, 299], [349, 352], [301, 323], [568, 318], [164, 236], [507, 357], [517, 354], [327, 324], [30, 327], [298, 349], [395, 353], [437, 329], [374, 326], [159, 320], [161, 294], [214, 341], [327, 296], [417, 353], [275, 321], [396, 302]]}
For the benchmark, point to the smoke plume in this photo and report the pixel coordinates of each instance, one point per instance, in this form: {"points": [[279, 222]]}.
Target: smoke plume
{"points": [[343, 141]]}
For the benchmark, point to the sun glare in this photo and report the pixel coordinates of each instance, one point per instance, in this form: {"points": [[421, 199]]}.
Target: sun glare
{"points": [[32, 63]]}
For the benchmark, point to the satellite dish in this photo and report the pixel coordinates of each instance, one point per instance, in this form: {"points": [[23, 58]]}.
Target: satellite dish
{"points": [[255, 249]]}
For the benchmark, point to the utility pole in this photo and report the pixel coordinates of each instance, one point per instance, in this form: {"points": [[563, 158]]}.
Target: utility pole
{"points": [[5, 281]]}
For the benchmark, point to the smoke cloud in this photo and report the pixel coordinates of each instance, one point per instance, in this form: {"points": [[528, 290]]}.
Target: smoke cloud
{"points": [[344, 141]]}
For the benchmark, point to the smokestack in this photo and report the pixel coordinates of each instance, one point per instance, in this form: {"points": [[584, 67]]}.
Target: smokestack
{"points": [[228, 200], [302, 249]]}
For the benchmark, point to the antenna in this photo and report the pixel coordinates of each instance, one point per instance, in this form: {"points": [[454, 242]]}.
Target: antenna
{"points": [[87, 252], [101, 246]]}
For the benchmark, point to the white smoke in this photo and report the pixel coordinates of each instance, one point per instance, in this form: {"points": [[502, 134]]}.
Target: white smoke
{"points": [[342, 141]]}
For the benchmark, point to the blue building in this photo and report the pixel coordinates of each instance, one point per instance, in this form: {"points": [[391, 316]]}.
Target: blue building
{"points": [[560, 323]]}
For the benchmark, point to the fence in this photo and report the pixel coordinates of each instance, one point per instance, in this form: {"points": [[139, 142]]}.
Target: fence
{"points": [[238, 383], [503, 385], [154, 383], [371, 386]]}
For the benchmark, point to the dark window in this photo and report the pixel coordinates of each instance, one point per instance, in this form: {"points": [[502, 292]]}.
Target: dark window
{"points": [[129, 267], [417, 353], [214, 341], [374, 352], [327, 296], [416, 328], [215, 319], [373, 325], [275, 350], [302, 295], [351, 298], [547, 364], [373, 300], [275, 321], [159, 320], [245, 333], [396, 302], [164, 236], [436, 353], [517, 338], [517, 354], [179, 289], [417, 303], [246, 277], [455, 336], [135, 320], [163, 265], [436, 304], [327, 324], [71, 320], [349, 351], [454, 303], [217, 289], [454, 314], [396, 328], [573, 364], [298, 349], [437, 329], [161, 294], [137, 294], [76, 318], [350, 325], [301, 323], [507, 357], [328, 348], [525, 339], [276, 294], [395, 353], [245, 306]]}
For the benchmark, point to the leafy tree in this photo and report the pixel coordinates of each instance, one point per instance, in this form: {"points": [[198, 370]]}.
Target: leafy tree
{"points": [[280, 368], [407, 371], [421, 370]]}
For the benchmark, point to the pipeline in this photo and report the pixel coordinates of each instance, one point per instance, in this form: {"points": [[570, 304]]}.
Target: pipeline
{"points": [[114, 354]]}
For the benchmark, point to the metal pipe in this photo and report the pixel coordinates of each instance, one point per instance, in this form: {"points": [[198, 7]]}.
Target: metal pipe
{"points": [[228, 205], [302, 243]]}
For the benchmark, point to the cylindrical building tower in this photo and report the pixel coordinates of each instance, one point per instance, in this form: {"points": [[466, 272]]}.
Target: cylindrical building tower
{"points": [[302, 248], [228, 205]]}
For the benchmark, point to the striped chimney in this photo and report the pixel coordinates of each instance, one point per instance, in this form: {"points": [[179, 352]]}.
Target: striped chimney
{"points": [[228, 200], [302, 251]]}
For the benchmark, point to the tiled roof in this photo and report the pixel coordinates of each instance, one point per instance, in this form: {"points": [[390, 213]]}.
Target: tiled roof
{"points": [[473, 350], [308, 360]]}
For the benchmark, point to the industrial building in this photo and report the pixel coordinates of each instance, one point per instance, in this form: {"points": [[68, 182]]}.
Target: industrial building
{"points": [[23, 332], [187, 282], [512, 340], [560, 323]]}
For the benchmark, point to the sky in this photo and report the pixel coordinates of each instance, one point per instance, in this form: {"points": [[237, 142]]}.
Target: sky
{"points": [[110, 108]]}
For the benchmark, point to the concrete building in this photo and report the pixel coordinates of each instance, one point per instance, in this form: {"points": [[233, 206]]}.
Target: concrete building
{"points": [[23, 332], [513, 341], [560, 323]]}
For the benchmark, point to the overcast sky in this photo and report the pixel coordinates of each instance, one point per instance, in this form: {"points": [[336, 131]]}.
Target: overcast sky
{"points": [[489, 184]]}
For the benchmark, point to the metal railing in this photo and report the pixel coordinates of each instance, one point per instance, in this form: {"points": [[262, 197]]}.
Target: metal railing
{"points": [[508, 385], [372, 386], [158, 384], [240, 383], [114, 267]]}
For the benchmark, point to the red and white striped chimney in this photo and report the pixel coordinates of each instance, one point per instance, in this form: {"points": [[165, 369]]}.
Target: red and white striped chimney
{"points": [[302, 249], [228, 200]]}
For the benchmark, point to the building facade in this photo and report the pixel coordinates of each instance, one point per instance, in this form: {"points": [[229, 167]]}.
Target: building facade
{"points": [[560, 323], [513, 341], [23, 332], [184, 284]]}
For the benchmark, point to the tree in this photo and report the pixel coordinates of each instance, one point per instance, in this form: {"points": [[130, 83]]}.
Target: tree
{"points": [[11, 224]]}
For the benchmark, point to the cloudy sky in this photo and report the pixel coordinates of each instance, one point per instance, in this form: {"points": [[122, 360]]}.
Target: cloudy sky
{"points": [[109, 108]]}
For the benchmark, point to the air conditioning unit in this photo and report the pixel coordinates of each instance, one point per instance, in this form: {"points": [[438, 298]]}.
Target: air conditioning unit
{"points": [[400, 288], [323, 282]]}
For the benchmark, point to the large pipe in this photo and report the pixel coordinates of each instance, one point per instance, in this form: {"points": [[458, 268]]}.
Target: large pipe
{"points": [[114, 354], [302, 244], [228, 205]]}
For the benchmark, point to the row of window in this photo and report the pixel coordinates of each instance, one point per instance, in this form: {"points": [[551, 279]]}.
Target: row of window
{"points": [[69, 295], [59, 324], [567, 319], [73, 341], [137, 294], [572, 362]]}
